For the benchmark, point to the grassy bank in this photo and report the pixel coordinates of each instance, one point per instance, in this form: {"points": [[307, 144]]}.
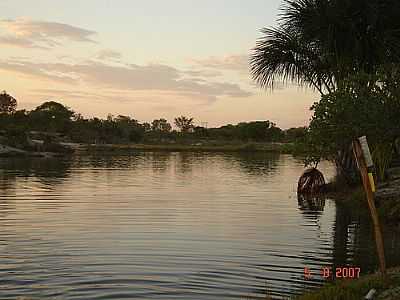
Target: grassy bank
{"points": [[351, 289]]}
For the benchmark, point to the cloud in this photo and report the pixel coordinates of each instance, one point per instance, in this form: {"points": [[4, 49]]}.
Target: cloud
{"points": [[60, 94], [203, 73], [131, 77], [40, 34], [108, 55], [34, 70], [18, 42], [229, 62]]}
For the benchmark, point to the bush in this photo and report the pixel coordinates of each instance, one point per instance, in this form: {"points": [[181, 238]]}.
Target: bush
{"points": [[363, 105], [16, 138]]}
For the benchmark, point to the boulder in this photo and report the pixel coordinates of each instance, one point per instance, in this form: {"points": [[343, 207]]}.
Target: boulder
{"points": [[389, 189], [393, 173]]}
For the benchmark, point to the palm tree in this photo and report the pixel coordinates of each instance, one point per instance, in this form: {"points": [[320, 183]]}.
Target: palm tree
{"points": [[318, 43]]}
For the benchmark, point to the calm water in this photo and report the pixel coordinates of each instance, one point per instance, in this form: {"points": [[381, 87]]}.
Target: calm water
{"points": [[170, 226]]}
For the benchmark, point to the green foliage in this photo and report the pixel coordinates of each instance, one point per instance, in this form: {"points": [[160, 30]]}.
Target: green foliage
{"points": [[122, 129], [382, 155], [8, 104], [321, 43], [257, 131], [296, 134], [327, 45], [51, 117], [161, 125], [362, 105], [17, 138]]}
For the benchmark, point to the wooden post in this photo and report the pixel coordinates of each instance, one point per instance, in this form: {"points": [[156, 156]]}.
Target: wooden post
{"points": [[369, 187]]}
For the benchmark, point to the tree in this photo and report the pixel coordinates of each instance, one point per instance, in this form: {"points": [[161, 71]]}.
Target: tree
{"points": [[8, 104], [295, 134], [52, 116], [322, 43], [125, 129], [146, 126], [184, 124], [254, 131], [55, 110], [319, 43], [161, 125], [355, 109]]}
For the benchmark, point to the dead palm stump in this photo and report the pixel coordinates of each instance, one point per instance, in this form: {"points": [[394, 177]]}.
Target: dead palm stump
{"points": [[310, 182]]}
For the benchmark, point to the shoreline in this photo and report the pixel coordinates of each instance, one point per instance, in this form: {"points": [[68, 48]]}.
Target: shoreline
{"points": [[387, 288], [246, 147], [82, 149]]}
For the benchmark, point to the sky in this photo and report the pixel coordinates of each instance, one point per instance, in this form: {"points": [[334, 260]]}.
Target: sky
{"points": [[145, 59]]}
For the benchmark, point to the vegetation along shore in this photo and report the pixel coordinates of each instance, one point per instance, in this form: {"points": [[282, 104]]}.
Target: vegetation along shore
{"points": [[54, 128]]}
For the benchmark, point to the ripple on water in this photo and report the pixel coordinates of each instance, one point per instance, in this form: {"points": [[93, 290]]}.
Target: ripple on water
{"points": [[166, 226]]}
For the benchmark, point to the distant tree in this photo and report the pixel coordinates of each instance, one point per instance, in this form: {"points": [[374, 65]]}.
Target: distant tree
{"points": [[295, 133], [256, 131], [184, 124], [110, 117], [200, 132], [51, 116], [127, 129], [146, 126], [78, 117], [274, 133], [8, 104], [161, 125], [56, 110]]}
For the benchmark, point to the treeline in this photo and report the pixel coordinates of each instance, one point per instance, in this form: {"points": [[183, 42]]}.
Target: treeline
{"points": [[52, 119]]}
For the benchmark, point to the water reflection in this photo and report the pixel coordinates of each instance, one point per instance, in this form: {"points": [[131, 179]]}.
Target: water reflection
{"points": [[311, 204], [168, 226], [256, 163], [161, 161], [353, 242], [50, 171]]}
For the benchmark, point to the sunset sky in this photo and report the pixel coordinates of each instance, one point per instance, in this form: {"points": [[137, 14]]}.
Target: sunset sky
{"points": [[146, 59]]}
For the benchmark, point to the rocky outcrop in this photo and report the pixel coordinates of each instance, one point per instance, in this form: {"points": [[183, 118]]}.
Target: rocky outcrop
{"points": [[7, 151], [390, 188], [393, 173], [10, 151], [391, 294]]}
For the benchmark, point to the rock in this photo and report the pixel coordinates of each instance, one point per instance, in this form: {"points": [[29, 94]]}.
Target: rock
{"points": [[390, 294], [393, 173], [6, 151], [389, 190]]}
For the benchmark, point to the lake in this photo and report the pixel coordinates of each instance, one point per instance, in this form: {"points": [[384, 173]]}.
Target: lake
{"points": [[171, 226]]}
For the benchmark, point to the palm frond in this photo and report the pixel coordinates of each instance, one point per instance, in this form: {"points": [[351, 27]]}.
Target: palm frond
{"points": [[281, 55]]}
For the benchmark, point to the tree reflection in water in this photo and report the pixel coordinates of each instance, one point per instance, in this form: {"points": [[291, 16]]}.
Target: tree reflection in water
{"points": [[311, 205], [353, 235]]}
